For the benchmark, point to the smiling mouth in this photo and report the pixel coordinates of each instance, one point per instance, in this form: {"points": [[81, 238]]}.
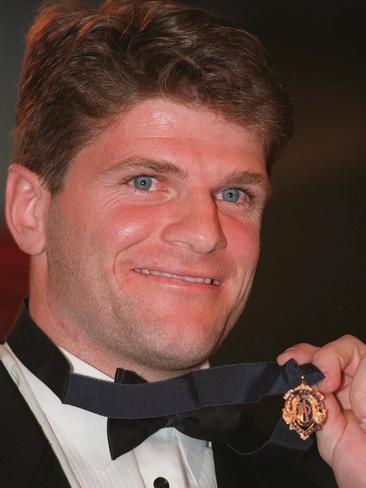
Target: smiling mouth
{"points": [[189, 279]]}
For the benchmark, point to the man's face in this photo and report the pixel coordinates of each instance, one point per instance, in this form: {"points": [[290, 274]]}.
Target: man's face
{"points": [[154, 240]]}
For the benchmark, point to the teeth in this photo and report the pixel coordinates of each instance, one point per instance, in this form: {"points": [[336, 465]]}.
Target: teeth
{"points": [[191, 279]]}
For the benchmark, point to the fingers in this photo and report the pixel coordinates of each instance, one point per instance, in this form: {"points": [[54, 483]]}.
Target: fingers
{"points": [[342, 445], [301, 353], [337, 360], [358, 393]]}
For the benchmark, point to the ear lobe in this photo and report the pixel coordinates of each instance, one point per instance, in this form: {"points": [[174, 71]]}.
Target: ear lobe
{"points": [[26, 209]]}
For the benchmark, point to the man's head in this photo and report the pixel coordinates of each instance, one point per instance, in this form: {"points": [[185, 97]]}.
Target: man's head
{"points": [[84, 65], [145, 130]]}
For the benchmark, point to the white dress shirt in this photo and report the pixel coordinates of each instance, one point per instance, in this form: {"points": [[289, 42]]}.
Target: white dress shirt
{"points": [[79, 440]]}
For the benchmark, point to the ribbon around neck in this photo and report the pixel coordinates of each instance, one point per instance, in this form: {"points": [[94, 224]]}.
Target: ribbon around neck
{"points": [[234, 384]]}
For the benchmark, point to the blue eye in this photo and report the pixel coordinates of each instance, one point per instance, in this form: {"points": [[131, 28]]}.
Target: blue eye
{"points": [[231, 195], [143, 182]]}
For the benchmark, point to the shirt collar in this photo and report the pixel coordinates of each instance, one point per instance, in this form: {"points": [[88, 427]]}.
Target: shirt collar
{"points": [[86, 432]]}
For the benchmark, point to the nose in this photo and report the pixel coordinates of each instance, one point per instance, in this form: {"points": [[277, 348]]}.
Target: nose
{"points": [[196, 226]]}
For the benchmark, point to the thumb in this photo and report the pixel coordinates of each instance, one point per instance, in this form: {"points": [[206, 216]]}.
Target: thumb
{"points": [[331, 432], [358, 393]]}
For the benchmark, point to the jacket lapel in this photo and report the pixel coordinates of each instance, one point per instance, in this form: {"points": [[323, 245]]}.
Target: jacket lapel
{"points": [[27, 459]]}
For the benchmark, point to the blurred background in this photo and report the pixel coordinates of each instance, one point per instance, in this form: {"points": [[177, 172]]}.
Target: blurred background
{"points": [[310, 282]]}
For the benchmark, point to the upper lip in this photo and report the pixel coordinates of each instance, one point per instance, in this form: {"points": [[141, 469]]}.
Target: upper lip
{"points": [[189, 277]]}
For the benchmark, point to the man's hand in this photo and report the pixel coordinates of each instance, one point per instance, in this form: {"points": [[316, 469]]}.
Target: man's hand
{"points": [[342, 440]]}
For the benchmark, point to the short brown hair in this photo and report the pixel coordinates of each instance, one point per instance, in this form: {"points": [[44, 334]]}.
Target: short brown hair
{"points": [[84, 64]]}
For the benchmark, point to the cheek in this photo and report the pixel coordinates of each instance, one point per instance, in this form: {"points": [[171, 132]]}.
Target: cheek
{"points": [[243, 248], [243, 243], [129, 225]]}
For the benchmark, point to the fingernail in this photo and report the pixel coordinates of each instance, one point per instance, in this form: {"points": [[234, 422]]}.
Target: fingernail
{"points": [[289, 349], [363, 424], [281, 358]]}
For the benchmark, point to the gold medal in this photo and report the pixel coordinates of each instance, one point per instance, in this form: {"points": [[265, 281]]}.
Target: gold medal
{"points": [[304, 409]]}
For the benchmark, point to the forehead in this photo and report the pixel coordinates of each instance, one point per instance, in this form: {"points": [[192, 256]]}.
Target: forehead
{"points": [[166, 117], [163, 129]]}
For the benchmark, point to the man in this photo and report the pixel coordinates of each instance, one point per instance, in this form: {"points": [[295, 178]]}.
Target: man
{"points": [[145, 134]]}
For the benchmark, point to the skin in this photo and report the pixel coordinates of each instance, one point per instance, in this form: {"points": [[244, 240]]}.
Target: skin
{"points": [[342, 440], [176, 190], [85, 291]]}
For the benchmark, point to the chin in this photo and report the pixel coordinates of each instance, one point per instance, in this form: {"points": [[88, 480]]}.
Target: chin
{"points": [[179, 357], [179, 366]]}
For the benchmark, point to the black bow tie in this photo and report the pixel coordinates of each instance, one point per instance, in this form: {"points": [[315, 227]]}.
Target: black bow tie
{"points": [[204, 404], [215, 424]]}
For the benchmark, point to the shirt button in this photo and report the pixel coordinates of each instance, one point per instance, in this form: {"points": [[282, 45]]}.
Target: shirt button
{"points": [[161, 483]]}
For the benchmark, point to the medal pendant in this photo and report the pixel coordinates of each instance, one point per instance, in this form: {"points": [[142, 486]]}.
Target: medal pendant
{"points": [[304, 410]]}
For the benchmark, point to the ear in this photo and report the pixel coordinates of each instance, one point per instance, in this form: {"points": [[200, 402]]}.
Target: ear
{"points": [[26, 209]]}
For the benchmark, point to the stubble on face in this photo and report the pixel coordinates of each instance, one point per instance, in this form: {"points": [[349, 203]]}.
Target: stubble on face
{"points": [[116, 326], [100, 229]]}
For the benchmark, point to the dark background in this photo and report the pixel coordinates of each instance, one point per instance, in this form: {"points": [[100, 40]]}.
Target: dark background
{"points": [[310, 281]]}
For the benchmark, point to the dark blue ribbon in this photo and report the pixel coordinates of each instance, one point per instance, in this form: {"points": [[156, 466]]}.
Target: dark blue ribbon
{"points": [[234, 384]]}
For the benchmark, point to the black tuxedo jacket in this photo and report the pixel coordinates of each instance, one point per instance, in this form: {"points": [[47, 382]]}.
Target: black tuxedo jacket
{"points": [[28, 461]]}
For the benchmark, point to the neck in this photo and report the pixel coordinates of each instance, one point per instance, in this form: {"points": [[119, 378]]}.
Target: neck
{"points": [[65, 335]]}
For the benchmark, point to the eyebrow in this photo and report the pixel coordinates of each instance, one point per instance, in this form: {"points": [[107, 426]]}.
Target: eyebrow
{"points": [[162, 167]]}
